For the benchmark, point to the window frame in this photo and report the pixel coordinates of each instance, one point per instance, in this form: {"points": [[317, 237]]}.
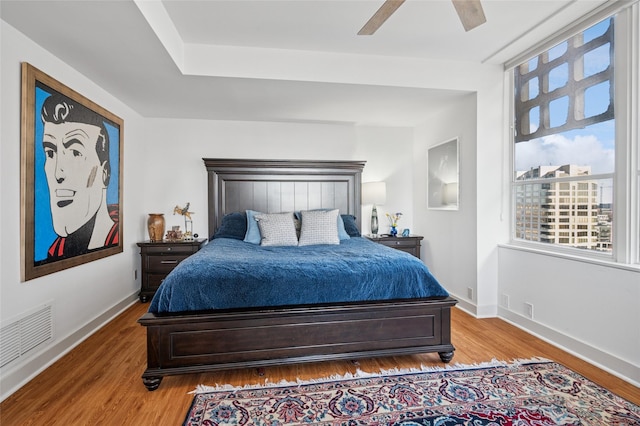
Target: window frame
{"points": [[626, 175]]}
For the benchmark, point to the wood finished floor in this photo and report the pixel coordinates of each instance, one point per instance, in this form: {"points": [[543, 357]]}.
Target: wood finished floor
{"points": [[98, 383]]}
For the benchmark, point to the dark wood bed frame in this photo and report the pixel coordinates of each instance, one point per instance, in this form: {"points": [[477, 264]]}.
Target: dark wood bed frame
{"points": [[195, 342]]}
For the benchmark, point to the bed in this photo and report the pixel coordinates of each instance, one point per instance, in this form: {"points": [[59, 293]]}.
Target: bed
{"points": [[200, 335]]}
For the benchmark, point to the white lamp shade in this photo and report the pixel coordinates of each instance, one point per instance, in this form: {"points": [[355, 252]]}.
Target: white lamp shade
{"points": [[374, 193]]}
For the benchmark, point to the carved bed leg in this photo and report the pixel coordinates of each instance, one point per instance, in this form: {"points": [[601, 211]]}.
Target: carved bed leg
{"points": [[446, 356], [151, 383]]}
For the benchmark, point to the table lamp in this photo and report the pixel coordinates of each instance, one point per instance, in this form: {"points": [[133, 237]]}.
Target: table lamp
{"points": [[374, 193]]}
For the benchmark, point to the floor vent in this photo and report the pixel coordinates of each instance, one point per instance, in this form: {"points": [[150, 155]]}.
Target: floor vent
{"points": [[25, 333]]}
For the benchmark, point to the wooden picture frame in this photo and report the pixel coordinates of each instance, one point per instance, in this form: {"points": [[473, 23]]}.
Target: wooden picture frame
{"points": [[443, 172], [71, 177]]}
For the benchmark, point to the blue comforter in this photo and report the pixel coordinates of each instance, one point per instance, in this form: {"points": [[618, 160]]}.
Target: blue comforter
{"points": [[228, 273]]}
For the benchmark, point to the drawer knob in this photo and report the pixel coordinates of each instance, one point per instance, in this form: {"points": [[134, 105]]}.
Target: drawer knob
{"points": [[169, 262]]}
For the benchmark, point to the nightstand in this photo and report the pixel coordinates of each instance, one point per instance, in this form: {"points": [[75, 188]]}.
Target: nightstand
{"points": [[410, 244], [159, 258]]}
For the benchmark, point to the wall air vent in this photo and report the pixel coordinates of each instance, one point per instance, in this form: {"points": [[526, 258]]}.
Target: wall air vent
{"points": [[25, 333]]}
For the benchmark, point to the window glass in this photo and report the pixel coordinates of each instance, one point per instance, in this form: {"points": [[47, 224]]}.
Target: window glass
{"points": [[592, 146], [596, 60], [595, 31], [596, 99], [564, 156], [533, 91], [572, 214], [558, 76], [558, 111]]}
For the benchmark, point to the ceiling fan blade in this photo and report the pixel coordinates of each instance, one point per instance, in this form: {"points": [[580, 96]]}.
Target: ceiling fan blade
{"points": [[378, 18], [470, 13]]}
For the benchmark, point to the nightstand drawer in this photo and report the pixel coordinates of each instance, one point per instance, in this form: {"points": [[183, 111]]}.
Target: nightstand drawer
{"points": [[164, 263], [411, 250], [159, 258], [154, 280], [171, 249], [400, 243], [410, 244]]}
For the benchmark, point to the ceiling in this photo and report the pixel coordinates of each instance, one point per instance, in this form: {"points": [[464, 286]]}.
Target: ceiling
{"points": [[294, 60]]}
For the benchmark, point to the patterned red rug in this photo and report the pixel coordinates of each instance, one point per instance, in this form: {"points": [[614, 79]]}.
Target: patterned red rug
{"points": [[533, 392]]}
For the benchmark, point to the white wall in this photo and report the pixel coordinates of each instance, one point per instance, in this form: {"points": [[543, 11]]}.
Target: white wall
{"points": [[449, 247], [83, 297], [389, 159], [461, 246], [588, 308], [491, 179], [176, 172]]}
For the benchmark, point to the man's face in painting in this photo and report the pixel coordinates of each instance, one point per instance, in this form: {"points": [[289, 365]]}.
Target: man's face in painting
{"points": [[74, 174]]}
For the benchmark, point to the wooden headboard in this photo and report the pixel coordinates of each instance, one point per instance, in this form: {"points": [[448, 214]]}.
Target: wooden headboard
{"points": [[273, 186]]}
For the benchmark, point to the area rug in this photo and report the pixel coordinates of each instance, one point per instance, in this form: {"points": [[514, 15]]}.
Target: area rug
{"points": [[533, 392]]}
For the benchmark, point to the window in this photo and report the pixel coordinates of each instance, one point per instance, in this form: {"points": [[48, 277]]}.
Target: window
{"points": [[574, 117]]}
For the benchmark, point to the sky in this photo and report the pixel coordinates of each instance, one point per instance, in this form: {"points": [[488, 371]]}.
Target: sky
{"points": [[588, 147]]}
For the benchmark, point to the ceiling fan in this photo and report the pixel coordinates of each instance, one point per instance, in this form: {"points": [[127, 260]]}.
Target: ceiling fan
{"points": [[469, 11]]}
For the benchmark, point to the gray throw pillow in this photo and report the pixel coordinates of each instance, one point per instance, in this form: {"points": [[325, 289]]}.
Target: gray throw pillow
{"points": [[319, 227], [277, 229]]}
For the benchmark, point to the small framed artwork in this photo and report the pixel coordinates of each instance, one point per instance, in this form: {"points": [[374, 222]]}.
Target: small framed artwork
{"points": [[71, 177], [443, 176], [406, 232]]}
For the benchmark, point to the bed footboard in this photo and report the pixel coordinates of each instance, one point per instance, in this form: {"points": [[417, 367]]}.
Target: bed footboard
{"points": [[194, 343]]}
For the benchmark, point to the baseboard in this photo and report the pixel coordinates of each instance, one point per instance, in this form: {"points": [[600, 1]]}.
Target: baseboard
{"points": [[22, 373], [607, 362], [465, 305], [482, 311]]}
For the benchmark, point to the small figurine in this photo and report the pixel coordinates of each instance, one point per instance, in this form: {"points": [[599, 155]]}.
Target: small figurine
{"points": [[188, 223], [184, 211]]}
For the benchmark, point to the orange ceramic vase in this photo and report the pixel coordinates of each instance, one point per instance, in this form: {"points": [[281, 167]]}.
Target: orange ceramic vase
{"points": [[155, 224]]}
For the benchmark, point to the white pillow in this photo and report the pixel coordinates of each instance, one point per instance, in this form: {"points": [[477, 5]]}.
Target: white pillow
{"points": [[319, 227], [277, 229]]}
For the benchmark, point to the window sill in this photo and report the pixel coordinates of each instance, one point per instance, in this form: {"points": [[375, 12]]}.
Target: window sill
{"points": [[594, 259]]}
